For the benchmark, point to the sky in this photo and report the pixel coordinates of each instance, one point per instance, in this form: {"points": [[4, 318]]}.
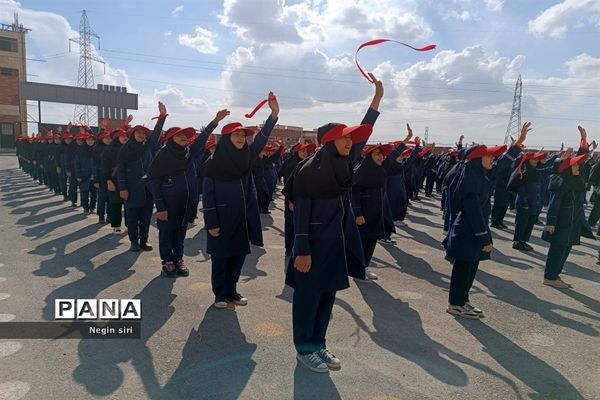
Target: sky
{"points": [[200, 56]]}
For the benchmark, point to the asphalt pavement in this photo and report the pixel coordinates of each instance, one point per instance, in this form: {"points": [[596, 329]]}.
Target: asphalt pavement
{"points": [[393, 336]]}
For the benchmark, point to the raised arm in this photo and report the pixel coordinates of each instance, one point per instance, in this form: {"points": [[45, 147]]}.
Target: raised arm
{"points": [[154, 141], [197, 147], [370, 118], [260, 139]]}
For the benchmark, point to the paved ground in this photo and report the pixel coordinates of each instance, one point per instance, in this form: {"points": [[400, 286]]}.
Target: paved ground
{"points": [[394, 338]]}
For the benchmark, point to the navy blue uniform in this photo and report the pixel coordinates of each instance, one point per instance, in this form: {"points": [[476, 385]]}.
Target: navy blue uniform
{"points": [[232, 207], [139, 203], [326, 230], [177, 194], [83, 167]]}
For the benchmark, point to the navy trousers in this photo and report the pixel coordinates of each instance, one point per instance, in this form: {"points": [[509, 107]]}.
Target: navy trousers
{"points": [[369, 248], [499, 212], [137, 220], [311, 313], [463, 275], [73, 189], [170, 243], [524, 223], [225, 274], [557, 256], [102, 200]]}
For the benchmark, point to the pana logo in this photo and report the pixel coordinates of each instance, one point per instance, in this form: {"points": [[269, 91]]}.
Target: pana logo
{"points": [[97, 309]]}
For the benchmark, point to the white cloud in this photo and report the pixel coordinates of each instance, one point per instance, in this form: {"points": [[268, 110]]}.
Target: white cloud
{"points": [[556, 20], [462, 16], [584, 66], [331, 21], [176, 11], [174, 97], [460, 80], [168, 33], [202, 41], [49, 34], [495, 5]]}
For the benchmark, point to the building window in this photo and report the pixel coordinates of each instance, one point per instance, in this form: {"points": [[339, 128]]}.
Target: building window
{"points": [[8, 44], [7, 129], [8, 72]]}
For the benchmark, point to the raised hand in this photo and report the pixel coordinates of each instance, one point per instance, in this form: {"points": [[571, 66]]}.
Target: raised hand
{"points": [[220, 115], [129, 119], [582, 132], [409, 135], [523, 134], [378, 92], [273, 105], [162, 109]]}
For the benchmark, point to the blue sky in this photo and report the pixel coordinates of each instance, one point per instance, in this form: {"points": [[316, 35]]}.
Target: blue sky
{"points": [[200, 56]]}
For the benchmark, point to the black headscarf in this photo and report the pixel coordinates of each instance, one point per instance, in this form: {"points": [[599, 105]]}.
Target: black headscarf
{"points": [[172, 159], [109, 155], [84, 150], [131, 151], [367, 174], [97, 151], [227, 162], [324, 175], [566, 181]]}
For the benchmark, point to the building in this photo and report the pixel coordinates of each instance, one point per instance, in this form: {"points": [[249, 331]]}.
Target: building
{"points": [[290, 134], [13, 110]]}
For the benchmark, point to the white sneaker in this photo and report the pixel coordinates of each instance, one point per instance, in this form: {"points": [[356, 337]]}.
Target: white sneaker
{"points": [[117, 231], [313, 362], [330, 359], [476, 310], [370, 275], [461, 311]]}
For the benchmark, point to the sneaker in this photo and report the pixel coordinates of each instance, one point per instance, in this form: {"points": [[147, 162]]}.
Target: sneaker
{"points": [[74, 205], [497, 226], [117, 231], [370, 275], [181, 268], [168, 269], [146, 246], [313, 362], [527, 246], [101, 221], [329, 359], [86, 212], [566, 283], [461, 311], [402, 223], [476, 310], [387, 241], [134, 247], [555, 283], [521, 246], [220, 302], [237, 299]]}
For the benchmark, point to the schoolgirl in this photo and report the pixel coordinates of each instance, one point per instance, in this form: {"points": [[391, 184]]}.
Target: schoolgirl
{"points": [[327, 245], [172, 180], [231, 213]]}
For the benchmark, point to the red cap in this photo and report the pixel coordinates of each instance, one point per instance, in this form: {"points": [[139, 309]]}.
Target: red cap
{"points": [[484, 151], [236, 126], [187, 132], [424, 152], [211, 142], [142, 128], [386, 149], [455, 153], [67, 136], [119, 132], [569, 162], [50, 136], [406, 152], [104, 134], [539, 155], [359, 133]]}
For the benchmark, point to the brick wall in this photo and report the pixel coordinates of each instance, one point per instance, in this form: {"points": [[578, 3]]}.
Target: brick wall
{"points": [[9, 90]]}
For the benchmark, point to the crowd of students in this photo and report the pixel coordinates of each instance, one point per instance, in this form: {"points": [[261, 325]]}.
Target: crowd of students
{"points": [[342, 197]]}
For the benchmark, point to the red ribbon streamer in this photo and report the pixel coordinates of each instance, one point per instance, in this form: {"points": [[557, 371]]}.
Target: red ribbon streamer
{"points": [[375, 42], [160, 116], [258, 107]]}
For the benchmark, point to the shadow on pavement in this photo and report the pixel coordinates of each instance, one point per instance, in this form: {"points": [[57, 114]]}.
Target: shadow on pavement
{"points": [[216, 361], [547, 382]]}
